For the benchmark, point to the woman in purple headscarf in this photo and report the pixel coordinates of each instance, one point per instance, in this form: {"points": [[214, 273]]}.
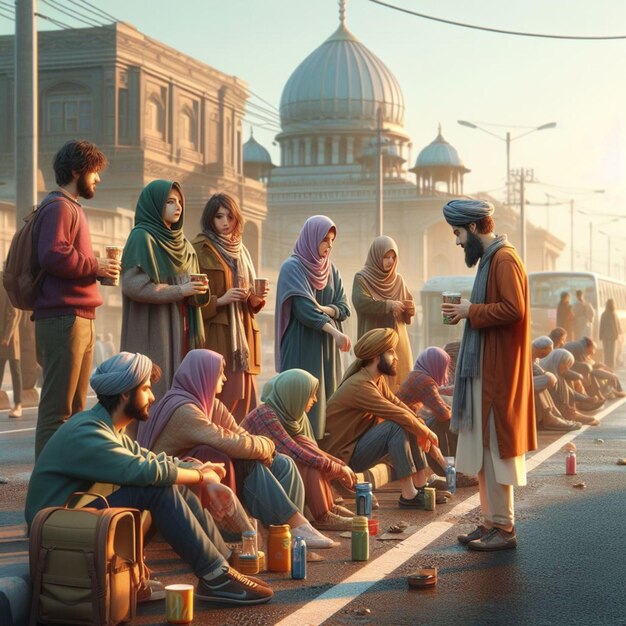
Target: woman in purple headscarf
{"points": [[310, 307]]}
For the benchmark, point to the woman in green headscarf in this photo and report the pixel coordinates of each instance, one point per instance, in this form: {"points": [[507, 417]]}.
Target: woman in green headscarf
{"points": [[160, 314], [283, 418]]}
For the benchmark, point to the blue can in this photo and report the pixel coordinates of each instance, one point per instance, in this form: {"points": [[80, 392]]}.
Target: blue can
{"points": [[364, 499], [451, 478], [298, 558]]}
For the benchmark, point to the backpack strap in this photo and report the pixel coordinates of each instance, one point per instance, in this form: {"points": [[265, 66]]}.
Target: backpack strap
{"points": [[49, 199], [98, 594], [37, 580]]}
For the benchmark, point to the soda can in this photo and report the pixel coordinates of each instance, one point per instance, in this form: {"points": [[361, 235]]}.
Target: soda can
{"points": [[430, 498], [298, 558]]}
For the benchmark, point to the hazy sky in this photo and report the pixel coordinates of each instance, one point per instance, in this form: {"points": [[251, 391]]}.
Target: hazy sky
{"points": [[447, 73]]}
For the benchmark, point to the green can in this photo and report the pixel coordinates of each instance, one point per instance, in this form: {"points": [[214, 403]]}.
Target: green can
{"points": [[360, 539], [430, 498]]}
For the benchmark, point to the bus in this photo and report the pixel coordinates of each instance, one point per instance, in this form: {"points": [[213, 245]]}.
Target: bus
{"points": [[545, 293], [434, 331]]}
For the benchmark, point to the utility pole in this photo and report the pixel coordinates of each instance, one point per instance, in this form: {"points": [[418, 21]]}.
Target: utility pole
{"points": [[523, 176], [571, 235], [26, 133]]}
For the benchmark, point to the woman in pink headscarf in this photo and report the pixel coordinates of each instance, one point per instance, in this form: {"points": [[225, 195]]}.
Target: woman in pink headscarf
{"points": [[310, 307], [421, 390], [189, 416]]}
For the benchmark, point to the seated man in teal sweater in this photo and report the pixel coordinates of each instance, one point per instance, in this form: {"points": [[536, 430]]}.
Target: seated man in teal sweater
{"points": [[92, 448]]}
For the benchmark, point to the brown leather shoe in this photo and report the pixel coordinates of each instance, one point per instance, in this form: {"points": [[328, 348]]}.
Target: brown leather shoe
{"points": [[477, 533], [494, 539]]}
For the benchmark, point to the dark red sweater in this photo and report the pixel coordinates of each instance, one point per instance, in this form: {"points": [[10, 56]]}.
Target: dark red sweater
{"points": [[69, 286]]}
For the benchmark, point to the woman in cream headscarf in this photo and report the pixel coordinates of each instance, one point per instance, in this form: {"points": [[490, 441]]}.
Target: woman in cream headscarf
{"points": [[382, 300], [287, 397]]}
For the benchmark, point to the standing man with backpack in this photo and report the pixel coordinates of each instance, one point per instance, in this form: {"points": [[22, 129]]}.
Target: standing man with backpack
{"points": [[65, 307]]}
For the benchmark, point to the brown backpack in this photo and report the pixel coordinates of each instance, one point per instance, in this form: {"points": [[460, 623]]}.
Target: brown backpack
{"points": [[23, 275], [86, 565]]}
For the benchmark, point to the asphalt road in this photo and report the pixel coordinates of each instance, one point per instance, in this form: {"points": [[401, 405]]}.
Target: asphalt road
{"points": [[569, 567]]}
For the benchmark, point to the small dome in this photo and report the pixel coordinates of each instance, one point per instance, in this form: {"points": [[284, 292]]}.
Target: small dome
{"points": [[254, 152], [341, 83], [439, 153]]}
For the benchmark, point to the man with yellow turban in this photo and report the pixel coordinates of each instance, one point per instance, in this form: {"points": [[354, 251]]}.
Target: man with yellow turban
{"points": [[367, 422]]}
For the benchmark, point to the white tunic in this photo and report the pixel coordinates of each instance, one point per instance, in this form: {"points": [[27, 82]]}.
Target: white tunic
{"points": [[470, 450]]}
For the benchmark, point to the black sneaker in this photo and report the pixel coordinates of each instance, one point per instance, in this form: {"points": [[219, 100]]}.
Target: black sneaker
{"points": [[418, 502], [231, 587]]}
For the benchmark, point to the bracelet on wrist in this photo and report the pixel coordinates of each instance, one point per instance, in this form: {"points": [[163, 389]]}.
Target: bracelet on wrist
{"points": [[201, 475]]}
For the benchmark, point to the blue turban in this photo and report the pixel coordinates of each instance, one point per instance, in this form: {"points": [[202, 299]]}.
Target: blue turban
{"points": [[120, 374], [462, 212]]}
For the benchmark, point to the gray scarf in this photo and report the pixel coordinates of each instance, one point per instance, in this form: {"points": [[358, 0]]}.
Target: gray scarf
{"points": [[468, 361]]}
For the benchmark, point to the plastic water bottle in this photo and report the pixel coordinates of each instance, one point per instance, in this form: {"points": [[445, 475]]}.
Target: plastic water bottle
{"points": [[450, 475], [298, 558]]}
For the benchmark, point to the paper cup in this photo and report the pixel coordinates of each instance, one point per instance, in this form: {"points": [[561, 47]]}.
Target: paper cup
{"points": [[260, 285], [199, 278], [112, 252], [450, 297], [179, 604]]}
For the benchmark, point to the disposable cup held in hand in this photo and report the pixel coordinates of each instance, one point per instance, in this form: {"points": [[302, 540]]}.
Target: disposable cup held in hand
{"points": [[199, 278], [179, 604], [450, 297], [260, 286], [409, 306], [112, 252]]}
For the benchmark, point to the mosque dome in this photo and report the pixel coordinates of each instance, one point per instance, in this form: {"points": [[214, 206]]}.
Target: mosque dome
{"points": [[439, 153], [257, 162], [255, 153], [341, 84]]}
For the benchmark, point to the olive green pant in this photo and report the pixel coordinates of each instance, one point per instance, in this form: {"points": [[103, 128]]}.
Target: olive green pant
{"points": [[64, 351]]}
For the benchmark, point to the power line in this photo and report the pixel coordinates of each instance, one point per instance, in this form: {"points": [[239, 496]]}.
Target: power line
{"points": [[82, 8], [93, 7], [9, 6], [53, 5], [6, 15], [263, 100], [498, 30]]}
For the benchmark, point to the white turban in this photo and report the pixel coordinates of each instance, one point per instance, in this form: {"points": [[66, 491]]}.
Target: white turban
{"points": [[120, 374], [462, 212], [542, 342]]}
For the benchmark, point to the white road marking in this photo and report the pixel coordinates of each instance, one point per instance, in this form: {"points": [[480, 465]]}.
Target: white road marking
{"points": [[19, 430], [330, 602]]}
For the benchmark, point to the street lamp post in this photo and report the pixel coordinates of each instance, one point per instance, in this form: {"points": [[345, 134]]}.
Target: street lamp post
{"points": [[507, 140]]}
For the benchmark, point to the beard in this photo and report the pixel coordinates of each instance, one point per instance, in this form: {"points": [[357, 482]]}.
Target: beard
{"points": [[387, 367], [473, 249], [134, 410], [83, 188]]}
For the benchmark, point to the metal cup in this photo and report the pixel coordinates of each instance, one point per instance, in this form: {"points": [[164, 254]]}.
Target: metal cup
{"points": [[112, 252], [260, 286], [450, 297], [179, 604]]}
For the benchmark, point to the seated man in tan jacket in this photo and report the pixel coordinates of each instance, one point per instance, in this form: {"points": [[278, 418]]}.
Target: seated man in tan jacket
{"points": [[367, 422]]}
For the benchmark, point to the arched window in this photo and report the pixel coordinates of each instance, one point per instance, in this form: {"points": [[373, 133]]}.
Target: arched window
{"points": [[155, 117], [188, 129], [68, 109]]}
